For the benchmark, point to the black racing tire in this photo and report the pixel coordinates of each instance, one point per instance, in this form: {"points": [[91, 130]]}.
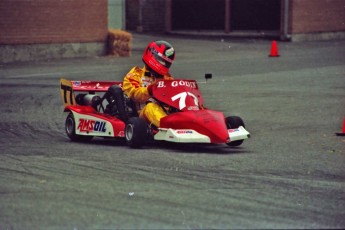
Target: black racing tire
{"points": [[136, 132], [233, 122], [117, 93], [70, 130]]}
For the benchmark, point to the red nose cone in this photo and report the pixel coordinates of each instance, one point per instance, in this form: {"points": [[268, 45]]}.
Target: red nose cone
{"points": [[207, 122]]}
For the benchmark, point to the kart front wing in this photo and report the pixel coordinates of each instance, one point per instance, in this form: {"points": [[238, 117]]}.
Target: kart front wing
{"points": [[192, 136]]}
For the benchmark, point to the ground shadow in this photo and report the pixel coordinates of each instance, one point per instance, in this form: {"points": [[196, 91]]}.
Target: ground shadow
{"points": [[192, 148], [197, 148]]}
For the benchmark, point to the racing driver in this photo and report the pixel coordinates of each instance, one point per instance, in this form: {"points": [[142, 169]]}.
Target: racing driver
{"points": [[158, 57]]}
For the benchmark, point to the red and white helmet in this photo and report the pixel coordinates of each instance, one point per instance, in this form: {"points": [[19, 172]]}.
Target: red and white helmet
{"points": [[158, 56]]}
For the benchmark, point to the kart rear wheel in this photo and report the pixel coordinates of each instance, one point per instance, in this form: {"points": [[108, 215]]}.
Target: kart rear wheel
{"points": [[70, 130], [233, 122], [136, 132]]}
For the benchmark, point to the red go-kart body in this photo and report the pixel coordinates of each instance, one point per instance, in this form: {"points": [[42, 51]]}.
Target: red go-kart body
{"points": [[187, 120]]}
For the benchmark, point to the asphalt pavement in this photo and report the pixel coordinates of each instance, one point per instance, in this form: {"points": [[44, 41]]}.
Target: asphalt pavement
{"points": [[289, 175]]}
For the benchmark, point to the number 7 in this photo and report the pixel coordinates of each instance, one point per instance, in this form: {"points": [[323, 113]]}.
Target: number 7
{"points": [[182, 96]]}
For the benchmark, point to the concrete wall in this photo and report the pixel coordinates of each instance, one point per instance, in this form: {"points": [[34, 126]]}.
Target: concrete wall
{"points": [[32, 29], [38, 52], [116, 14]]}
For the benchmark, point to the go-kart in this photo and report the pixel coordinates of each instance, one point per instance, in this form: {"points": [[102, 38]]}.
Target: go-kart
{"points": [[100, 109]]}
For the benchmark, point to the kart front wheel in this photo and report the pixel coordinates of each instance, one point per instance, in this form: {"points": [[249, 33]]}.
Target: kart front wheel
{"points": [[70, 130], [234, 122], [136, 132]]}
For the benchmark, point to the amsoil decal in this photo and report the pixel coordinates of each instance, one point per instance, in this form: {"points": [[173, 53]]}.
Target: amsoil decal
{"points": [[77, 83], [233, 130], [91, 126], [184, 132]]}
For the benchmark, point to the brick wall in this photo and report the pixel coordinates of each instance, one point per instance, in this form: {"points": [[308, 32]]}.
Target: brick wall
{"points": [[52, 21], [317, 16]]}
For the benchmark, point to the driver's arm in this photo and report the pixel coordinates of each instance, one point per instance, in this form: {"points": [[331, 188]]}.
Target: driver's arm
{"points": [[132, 86]]}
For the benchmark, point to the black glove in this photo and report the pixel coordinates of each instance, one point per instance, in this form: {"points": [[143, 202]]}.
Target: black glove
{"points": [[149, 89]]}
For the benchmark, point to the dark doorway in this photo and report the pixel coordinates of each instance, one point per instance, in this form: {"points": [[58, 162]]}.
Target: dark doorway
{"points": [[198, 15], [255, 15]]}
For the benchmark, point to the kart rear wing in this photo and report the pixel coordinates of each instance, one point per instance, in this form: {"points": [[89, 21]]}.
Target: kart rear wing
{"points": [[68, 87]]}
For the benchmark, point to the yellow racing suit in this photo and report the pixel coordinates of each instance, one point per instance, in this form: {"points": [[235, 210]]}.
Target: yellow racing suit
{"points": [[135, 87]]}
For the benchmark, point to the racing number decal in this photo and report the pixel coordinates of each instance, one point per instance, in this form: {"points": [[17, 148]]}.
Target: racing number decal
{"points": [[182, 96], [66, 91]]}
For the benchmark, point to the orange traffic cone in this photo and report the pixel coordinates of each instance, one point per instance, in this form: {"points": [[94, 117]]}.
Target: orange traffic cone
{"points": [[343, 132], [274, 50]]}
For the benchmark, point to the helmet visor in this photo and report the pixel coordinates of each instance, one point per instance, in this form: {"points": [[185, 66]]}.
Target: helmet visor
{"points": [[163, 60]]}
